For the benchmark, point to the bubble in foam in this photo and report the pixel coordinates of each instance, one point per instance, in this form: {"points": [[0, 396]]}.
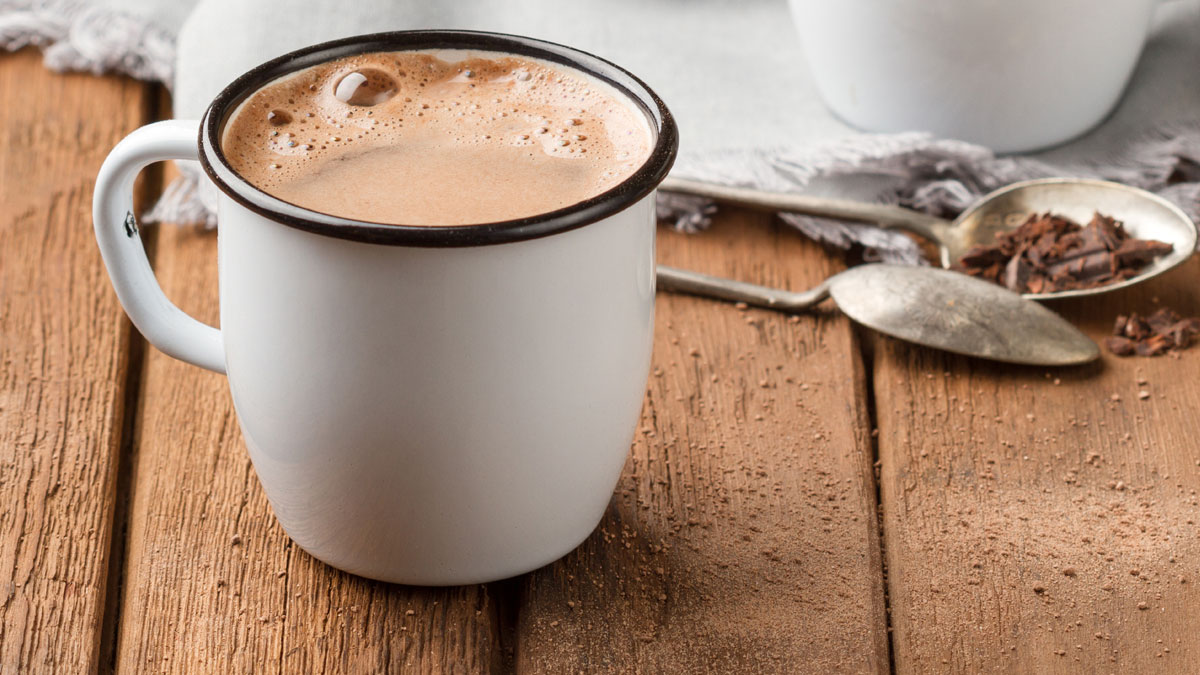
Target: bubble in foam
{"points": [[278, 118], [365, 87]]}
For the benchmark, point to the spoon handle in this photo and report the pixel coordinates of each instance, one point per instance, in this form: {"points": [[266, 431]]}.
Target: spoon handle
{"points": [[885, 215], [693, 283]]}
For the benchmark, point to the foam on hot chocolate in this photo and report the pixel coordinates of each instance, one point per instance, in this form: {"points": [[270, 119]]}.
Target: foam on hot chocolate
{"points": [[442, 138]]}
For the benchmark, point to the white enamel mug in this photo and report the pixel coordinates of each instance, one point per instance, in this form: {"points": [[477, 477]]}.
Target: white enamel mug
{"points": [[423, 405], [1013, 75]]}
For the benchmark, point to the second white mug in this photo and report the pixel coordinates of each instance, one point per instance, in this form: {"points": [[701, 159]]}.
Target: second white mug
{"points": [[1013, 75]]}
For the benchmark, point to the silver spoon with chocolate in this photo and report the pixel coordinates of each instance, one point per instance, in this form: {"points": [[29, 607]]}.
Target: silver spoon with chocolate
{"points": [[1025, 236]]}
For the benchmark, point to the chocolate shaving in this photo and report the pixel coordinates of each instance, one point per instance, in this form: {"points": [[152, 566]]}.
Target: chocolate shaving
{"points": [[1053, 253], [1159, 333]]}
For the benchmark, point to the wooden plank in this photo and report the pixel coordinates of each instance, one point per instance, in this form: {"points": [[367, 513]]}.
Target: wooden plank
{"points": [[63, 348], [742, 537], [1044, 522], [212, 582]]}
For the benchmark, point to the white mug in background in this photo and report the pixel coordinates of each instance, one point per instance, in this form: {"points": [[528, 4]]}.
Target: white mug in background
{"points": [[423, 405], [1013, 75]]}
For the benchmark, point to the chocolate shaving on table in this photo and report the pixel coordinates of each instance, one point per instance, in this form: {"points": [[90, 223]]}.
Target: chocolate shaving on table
{"points": [[1159, 333], [1050, 253]]}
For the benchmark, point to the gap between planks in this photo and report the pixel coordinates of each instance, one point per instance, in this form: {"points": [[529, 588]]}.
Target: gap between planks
{"points": [[65, 348], [148, 187], [866, 341]]}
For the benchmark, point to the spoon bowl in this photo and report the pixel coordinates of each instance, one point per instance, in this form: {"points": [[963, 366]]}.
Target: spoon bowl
{"points": [[960, 314], [1145, 215]]}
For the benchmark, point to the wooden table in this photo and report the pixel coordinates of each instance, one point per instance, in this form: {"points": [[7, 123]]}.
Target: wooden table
{"points": [[802, 496]]}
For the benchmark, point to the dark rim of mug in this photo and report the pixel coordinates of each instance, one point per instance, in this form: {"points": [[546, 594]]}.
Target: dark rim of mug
{"points": [[638, 185]]}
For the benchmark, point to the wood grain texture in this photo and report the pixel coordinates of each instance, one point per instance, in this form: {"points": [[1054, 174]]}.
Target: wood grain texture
{"points": [[63, 346], [1044, 522], [742, 537], [1033, 521], [212, 582]]}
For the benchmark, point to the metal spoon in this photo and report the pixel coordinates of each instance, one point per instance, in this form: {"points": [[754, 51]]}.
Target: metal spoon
{"points": [[925, 305], [1146, 216]]}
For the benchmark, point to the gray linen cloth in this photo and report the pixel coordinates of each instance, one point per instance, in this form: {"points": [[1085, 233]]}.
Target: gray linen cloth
{"points": [[732, 71]]}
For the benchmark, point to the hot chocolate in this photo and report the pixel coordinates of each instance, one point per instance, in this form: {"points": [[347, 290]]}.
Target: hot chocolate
{"points": [[436, 138]]}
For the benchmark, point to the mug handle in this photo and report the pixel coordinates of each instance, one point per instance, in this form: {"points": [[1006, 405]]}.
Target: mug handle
{"points": [[162, 323]]}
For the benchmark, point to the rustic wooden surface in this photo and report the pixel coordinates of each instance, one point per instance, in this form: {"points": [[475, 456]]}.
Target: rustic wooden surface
{"points": [[1031, 521], [742, 537], [64, 346], [1044, 522]]}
